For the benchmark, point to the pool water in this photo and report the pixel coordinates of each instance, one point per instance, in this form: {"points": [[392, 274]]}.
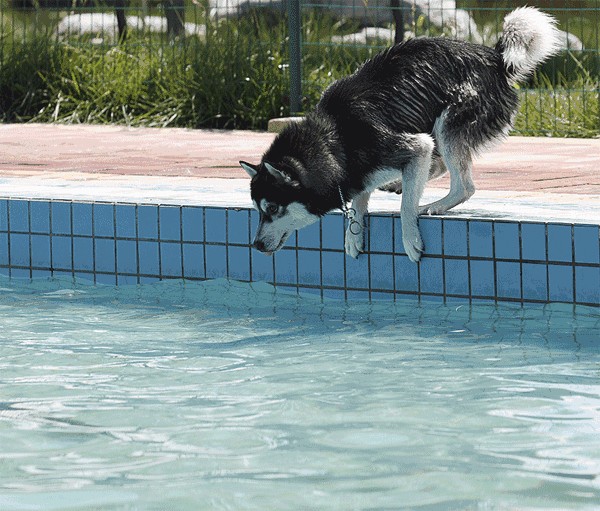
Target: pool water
{"points": [[222, 395]]}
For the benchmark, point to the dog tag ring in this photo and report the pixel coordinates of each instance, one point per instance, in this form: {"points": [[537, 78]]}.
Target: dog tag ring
{"points": [[354, 226]]}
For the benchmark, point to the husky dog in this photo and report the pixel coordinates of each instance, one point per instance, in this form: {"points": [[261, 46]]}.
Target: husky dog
{"points": [[412, 112]]}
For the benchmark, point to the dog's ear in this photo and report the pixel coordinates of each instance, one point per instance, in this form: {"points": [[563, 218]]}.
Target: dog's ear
{"points": [[251, 170], [282, 175]]}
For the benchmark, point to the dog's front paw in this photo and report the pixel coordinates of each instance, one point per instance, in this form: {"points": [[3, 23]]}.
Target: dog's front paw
{"points": [[413, 245], [354, 243]]}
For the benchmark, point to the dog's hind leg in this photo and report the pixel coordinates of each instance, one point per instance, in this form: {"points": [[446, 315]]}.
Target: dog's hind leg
{"points": [[458, 159], [355, 232], [436, 170]]}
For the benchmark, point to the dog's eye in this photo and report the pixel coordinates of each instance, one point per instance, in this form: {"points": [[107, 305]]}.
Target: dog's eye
{"points": [[272, 209]]}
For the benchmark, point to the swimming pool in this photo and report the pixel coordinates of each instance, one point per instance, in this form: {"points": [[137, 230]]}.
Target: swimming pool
{"points": [[225, 395]]}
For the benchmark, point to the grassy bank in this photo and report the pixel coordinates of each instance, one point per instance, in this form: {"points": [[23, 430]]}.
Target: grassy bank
{"points": [[237, 77]]}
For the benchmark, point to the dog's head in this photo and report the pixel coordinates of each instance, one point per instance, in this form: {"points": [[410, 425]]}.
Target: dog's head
{"points": [[277, 194]]}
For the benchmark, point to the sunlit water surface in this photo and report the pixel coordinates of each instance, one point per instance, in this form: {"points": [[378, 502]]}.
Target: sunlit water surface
{"points": [[221, 395]]}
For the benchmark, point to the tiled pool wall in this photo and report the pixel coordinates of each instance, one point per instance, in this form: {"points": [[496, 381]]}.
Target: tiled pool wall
{"points": [[465, 259]]}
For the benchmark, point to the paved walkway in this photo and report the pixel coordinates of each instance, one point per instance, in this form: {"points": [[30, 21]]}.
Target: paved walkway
{"points": [[550, 165]]}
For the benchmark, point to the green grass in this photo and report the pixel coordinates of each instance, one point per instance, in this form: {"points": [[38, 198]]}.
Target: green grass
{"points": [[236, 78], [197, 84]]}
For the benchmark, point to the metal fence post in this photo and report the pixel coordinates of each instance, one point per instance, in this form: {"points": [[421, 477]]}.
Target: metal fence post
{"points": [[295, 56]]}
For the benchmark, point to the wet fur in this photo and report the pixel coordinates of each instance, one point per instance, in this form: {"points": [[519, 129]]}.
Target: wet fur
{"points": [[412, 112]]}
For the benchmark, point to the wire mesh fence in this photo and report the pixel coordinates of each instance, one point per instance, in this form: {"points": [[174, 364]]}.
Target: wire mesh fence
{"points": [[237, 63]]}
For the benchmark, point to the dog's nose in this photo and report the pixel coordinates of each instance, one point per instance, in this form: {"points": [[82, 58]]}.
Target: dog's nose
{"points": [[259, 245]]}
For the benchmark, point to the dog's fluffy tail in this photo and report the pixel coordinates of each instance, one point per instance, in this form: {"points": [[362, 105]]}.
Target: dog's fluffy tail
{"points": [[528, 38]]}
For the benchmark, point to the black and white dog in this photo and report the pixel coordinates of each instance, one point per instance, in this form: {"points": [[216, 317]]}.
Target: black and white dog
{"points": [[412, 112]]}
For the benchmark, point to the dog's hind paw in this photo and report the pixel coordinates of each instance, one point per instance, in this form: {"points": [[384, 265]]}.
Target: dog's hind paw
{"points": [[432, 209]]}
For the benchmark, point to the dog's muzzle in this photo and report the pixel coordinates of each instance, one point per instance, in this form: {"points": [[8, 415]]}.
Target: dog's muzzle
{"points": [[261, 247]]}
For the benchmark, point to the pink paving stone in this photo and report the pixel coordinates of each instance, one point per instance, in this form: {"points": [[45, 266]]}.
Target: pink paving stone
{"points": [[552, 165]]}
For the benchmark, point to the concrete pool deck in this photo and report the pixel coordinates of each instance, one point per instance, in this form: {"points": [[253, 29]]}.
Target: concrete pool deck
{"points": [[530, 178]]}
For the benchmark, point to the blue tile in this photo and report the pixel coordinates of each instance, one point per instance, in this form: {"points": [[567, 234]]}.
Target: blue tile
{"points": [[40, 217], [309, 267], [285, 267], [253, 223], [488, 301], [432, 277], [19, 250], [382, 271], [82, 219], [535, 285], [398, 245], [291, 241], [106, 280], [104, 220], [310, 236], [482, 278], [170, 259], [381, 234], [357, 272], [148, 280], [104, 250], [216, 260], [148, 257], [560, 243], [18, 211], [83, 254], [480, 239], [587, 249], [407, 275], [457, 277], [17, 273], [455, 237], [61, 217], [333, 269], [508, 280], [126, 256], [215, 225], [506, 240], [533, 240], [457, 300], [380, 296], [125, 217], [62, 258], [262, 266], [170, 223], [193, 223], [333, 231], [587, 284], [239, 262], [39, 274], [127, 280], [3, 215], [148, 222], [432, 299], [64, 275], [238, 226], [355, 296], [193, 261], [315, 291], [340, 294], [4, 249], [431, 232], [40, 251], [560, 283]]}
